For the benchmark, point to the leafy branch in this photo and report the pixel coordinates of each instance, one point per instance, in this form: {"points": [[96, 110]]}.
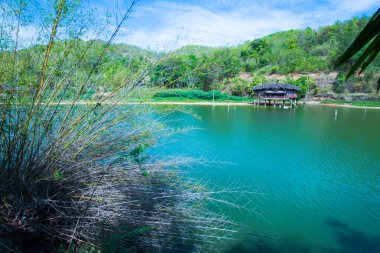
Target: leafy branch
{"points": [[370, 35]]}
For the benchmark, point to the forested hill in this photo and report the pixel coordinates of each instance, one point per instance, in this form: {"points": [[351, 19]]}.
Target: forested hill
{"points": [[231, 69], [295, 51], [300, 51]]}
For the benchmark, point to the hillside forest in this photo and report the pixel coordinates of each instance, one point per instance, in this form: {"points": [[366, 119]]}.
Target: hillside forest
{"points": [[301, 57]]}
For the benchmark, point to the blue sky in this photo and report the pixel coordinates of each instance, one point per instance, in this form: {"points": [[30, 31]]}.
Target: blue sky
{"points": [[169, 24], [166, 23]]}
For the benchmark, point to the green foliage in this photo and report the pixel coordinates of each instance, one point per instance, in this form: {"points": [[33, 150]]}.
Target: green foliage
{"points": [[306, 83], [259, 80], [201, 72], [240, 87], [196, 50], [137, 153], [369, 35], [339, 84], [196, 95], [120, 63], [302, 51], [259, 50]]}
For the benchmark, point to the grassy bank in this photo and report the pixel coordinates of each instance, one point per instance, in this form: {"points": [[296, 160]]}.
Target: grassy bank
{"points": [[196, 96], [353, 103]]}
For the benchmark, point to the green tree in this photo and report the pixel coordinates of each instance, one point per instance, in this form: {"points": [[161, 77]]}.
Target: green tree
{"points": [[339, 84], [306, 84], [259, 50], [240, 87]]}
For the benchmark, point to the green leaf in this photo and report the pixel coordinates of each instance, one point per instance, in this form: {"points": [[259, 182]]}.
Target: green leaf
{"points": [[373, 47], [369, 34], [370, 58], [366, 35]]}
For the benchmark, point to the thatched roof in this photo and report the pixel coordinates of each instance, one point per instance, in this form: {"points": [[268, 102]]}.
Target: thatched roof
{"points": [[276, 86]]}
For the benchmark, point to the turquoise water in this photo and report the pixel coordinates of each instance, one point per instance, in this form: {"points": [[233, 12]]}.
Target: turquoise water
{"points": [[316, 170]]}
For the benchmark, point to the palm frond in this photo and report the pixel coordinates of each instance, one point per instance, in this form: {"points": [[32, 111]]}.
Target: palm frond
{"points": [[369, 35], [369, 32]]}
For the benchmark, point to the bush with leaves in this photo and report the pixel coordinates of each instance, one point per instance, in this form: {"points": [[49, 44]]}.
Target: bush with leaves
{"points": [[306, 84], [339, 84], [240, 87]]}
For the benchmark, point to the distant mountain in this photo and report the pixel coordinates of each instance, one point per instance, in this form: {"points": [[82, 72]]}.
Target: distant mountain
{"points": [[196, 50], [133, 51]]}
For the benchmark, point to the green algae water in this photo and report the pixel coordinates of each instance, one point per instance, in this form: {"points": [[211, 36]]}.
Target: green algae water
{"points": [[315, 169]]}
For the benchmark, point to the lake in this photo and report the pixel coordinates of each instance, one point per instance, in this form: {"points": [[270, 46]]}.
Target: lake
{"points": [[315, 169]]}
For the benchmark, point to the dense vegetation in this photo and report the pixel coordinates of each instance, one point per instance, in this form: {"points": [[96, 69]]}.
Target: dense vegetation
{"points": [[283, 53], [195, 95]]}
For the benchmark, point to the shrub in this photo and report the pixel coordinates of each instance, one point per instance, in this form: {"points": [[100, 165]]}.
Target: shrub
{"points": [[306, 83], [240, 87], [339, 85]]}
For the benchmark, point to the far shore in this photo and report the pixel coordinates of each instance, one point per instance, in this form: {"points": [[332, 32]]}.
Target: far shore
{"points": [[201, 103], [211, 103], [162, 103], [350, 106]]}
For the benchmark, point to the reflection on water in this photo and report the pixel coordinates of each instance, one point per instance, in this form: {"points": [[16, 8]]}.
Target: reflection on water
{"points": [[351, 240], [313, 163]]}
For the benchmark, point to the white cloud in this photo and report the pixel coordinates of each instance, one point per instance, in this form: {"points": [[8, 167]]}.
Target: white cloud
{"points": [[355, 6], [169, 24], [230, 22], [197, 25], [27, 35]]}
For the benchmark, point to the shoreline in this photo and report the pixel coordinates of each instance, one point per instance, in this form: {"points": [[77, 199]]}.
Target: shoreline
{"points": [[342, 105], [200, 103], [250, 104], [195, 103], [160, 103], [350, 106]]}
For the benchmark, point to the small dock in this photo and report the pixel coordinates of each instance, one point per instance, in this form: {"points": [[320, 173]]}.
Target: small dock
{"points": [[276, 94], [273, 101]]}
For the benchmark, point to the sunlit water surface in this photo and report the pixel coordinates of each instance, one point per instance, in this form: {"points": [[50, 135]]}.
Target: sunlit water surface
{"points": [[317, 168]]}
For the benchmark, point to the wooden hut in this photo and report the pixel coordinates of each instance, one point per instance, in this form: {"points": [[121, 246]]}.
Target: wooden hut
{"points": [[285, 93]]}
